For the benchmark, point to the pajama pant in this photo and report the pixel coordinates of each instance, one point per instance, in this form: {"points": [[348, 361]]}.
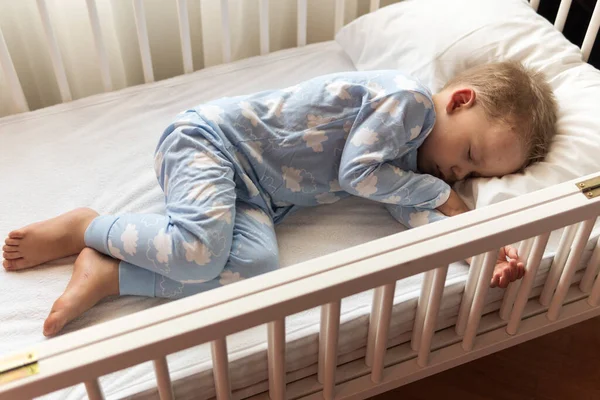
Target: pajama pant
{"points": [[208, 237]]}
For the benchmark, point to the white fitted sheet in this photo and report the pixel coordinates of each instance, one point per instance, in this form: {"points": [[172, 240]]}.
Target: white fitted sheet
{"points": [[98, 152]]}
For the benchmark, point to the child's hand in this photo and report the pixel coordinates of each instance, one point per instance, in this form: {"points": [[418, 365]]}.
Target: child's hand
{"points": [[453, 206], [507, 271]]}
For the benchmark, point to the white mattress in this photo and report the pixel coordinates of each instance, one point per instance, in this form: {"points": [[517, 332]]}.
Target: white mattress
{"points": [[97, 152]]}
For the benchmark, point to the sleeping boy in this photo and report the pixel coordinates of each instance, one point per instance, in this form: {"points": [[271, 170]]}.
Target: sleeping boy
{"points": [[233, 168]]}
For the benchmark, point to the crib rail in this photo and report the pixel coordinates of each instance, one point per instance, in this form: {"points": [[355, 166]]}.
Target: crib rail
{"points": [[19, 101], [85, 355]]}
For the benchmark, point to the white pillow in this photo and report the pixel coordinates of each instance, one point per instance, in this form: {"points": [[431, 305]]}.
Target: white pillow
{"points": [[434, 39]]}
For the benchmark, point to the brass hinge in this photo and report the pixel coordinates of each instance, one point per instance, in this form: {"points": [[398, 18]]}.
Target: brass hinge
{"points": [[590, 188], [18, 366]]}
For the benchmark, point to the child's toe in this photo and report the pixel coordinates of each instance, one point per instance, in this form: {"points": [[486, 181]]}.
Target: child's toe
{"points": [[18, 234], [12, 242], [11, 256]]}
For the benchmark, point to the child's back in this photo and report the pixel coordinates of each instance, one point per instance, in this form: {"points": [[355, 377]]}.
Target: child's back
{"points": [[324, 139]]}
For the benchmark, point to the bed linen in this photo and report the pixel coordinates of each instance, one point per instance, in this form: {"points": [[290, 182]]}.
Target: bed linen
{"points": [[98, 152]]}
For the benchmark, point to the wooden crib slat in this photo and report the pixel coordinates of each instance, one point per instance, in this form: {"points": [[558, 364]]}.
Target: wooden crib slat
{"points": [[433, 309], [373, 324], [531, 268], [142, 33], [381, 332], [55, 56], [558, 264], [468, 294], [340, 11], [328, 344], [99, 43], [421, 310], [184, 36], [374, 6], [276, 359], [581, 238], [14, 85], [592, 31], [535, 4], [513, 288], [221, 369], [591, 270], [561, 16], [94, 390], [302, 23], [225, 31], [485, 276], [264, 27], [594, 299], [163, 379]]}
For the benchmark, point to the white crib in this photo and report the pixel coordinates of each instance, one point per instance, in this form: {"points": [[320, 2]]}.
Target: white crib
{"points": [[525, 311]]}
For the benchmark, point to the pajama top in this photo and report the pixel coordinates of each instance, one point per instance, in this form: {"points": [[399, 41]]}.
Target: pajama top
{"points": [[349, 133]]}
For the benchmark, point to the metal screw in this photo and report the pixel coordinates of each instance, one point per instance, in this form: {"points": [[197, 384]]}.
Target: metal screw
{"points": [[590, 194], [582, 185]]}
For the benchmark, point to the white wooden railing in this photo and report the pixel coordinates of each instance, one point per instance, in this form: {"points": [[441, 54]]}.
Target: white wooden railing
{"points": [[85, 355]]}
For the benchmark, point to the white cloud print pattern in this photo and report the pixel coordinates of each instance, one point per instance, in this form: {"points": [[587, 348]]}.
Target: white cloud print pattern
{"points": [[418, 218], [212, 113], [423, 100], [326, 198], [229, 277], [114, 251], [314, 139], [292, 178], [203, 160], [129, 239], [367, 186], [339, 89], [414, 132], [258, 216], [364, 136], [162, 243], [197, 252]]}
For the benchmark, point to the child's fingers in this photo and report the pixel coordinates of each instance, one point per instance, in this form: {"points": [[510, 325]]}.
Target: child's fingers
{"points": [[511, 275], [503, 283], [495, 280], [514, 272], [511, 252], [505, 279], [521, 270]]}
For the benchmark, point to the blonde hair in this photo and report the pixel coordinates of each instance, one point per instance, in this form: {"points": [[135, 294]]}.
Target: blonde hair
{"points": [[519, 97]]}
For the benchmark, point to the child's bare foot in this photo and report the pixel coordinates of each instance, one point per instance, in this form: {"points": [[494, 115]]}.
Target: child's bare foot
{"points": [[48, 240], [95, 276]]}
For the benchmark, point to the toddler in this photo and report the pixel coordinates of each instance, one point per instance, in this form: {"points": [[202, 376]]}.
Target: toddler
{"points": [[232, 168]]}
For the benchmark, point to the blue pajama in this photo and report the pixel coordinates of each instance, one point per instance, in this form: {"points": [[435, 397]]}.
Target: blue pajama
{"points": [[232, 168]]}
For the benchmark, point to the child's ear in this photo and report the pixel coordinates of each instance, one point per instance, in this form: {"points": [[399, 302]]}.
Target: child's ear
{"points": [[460, 98]]}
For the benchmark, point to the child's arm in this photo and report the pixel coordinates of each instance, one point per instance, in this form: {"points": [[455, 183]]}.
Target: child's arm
{"points": [[454, 206], [505, 271], [384, 130]]}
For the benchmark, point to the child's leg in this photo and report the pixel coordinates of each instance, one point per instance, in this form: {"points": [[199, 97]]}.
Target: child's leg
{"points": [[192, 242], [96, 276], [253, 252]]}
